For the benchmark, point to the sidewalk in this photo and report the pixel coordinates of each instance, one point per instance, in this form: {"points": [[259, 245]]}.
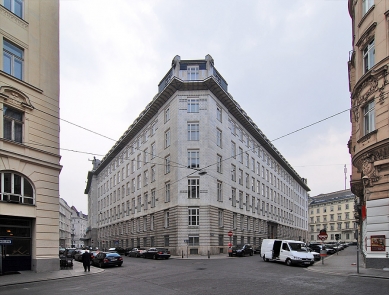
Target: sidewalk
{"points": [[345, 263], [30, 276]]}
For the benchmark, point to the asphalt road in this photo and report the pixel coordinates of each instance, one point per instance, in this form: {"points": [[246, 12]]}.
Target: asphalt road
{"points": [[231, 276]]}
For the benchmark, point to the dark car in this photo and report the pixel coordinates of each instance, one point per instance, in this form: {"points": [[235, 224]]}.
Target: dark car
{"points": [[257, 250], [93, 254], [157, 253], [78, 255], [103, 259], [331, 249], [136, 252], [241, 250], [119, 250]]}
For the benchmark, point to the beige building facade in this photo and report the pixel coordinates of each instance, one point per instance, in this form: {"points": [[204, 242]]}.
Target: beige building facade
{"points": [[369, 143], [333, 212], [192, 167], [29, 135]]}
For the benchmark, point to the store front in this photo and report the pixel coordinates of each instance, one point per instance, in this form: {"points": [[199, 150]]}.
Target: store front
{"points": [[15, 244]]}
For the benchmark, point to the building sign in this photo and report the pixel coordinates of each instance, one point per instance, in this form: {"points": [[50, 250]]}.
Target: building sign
{"points": [[377, 243], [5, 242]]}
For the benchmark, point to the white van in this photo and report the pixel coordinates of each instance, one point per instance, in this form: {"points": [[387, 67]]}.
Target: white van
{"points": [[287, 251]]}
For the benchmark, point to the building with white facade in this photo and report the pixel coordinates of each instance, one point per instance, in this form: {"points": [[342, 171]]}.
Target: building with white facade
{"points": [[79, 223], [65, 214], [333, 212], [29, 135], [192, 167]]}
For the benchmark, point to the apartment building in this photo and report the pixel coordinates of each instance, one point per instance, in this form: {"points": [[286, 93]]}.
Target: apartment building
{"points": [[29, 135], [192, 167], [65, 228], [80, 227], [369, 141], [333, 212]]}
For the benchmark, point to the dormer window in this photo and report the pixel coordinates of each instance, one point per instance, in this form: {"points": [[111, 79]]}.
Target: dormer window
{"points": [[193, 72]]}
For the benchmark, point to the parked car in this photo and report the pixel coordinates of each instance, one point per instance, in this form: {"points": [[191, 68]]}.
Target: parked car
{"points": [[127, 251], [93, 254], [157, 253], [241, 250], [257, 250], [331, 249], [78, 255], [119, 250], [315, 254], [103, 259], [136, 252]]}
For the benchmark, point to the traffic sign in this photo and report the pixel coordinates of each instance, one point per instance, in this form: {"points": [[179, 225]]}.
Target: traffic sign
{"points": [[322, 236], [229, 245], [230, 233]]}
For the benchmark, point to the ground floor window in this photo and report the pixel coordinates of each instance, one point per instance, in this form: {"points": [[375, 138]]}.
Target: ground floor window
{"points": [[15, 188], [194, 240]]}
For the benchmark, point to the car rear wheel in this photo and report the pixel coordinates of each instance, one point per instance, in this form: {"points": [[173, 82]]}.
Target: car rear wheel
{"points": [[288, 262], [120, 264]]}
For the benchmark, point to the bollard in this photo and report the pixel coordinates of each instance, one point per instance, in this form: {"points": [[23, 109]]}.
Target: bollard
{"points": [[209, 256], [182, 253]]}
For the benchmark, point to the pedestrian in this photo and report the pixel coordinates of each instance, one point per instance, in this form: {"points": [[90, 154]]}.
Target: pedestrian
{"points": [[86, 260]]}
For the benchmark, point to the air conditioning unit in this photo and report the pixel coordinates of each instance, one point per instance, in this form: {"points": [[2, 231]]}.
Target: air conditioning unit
{"points": [[13, 199]]}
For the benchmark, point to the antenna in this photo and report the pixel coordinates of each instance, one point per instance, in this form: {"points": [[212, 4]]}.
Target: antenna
{"points": [[345, 176]]}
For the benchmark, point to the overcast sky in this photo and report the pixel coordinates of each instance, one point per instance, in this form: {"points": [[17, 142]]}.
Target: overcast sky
{"points": [[285, 62]]}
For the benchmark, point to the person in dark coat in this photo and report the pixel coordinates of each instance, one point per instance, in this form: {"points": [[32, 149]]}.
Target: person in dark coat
{"points": [[86, 260]]}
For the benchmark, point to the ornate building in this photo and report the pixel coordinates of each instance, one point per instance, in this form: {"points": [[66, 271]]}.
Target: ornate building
{"points": [[65, 214], [29, 135], [192, 167], [79, 228], [369, 143]]}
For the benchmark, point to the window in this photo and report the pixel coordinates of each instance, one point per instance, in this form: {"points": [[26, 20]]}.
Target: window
{"points": [[193, 159], [240, 177], [139, 181], [219, 191], [139, 203], [193, 241], [219, 113], [146, 178], [13, 124], [221, 219], [194, 216], [240, 155], [240, 200], [219, 164], [153, 150], [167, 192], [15, 6], [167, 138], [368, 117], [233, 197], [193, 105], [233, 172], [166, 218], [218, 137], [193, 188], [193, 72], [152, 173], [13, 59], [16, 189], [167, 114], [193, 131], [233, 149], [152, 198], [138, 161], [146, 156], [234, 221], [367, 4], [167, 164], [368, 56], [247, 160]]}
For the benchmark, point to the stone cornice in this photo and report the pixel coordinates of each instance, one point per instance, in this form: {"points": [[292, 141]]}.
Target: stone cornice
{"points": [[377, 152], [366, 36], [21, 22]]}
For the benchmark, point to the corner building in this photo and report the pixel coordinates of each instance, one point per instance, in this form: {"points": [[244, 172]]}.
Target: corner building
{"points": [[29, 135], [192, 167], [369, 142]]}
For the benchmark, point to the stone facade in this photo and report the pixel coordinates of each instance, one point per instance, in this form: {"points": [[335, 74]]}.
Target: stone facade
{"points": [[192, 167], [79, 228], [335, 213], [29, 132], [369, 142]]}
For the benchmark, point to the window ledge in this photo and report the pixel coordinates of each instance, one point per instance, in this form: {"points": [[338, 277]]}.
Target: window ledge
{"points": [[13, 16], [367, 136], [21, 81]]}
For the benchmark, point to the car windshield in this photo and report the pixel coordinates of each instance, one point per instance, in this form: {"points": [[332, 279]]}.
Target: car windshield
{"points": [[112, 254], [296, 247]]}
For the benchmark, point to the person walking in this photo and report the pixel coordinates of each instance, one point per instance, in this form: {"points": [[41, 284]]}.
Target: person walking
{"points": [[86, 260]]}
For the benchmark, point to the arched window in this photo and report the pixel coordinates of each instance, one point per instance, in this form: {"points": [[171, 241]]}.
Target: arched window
{"points": [[16, 188]]}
